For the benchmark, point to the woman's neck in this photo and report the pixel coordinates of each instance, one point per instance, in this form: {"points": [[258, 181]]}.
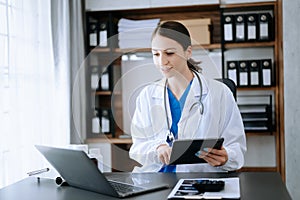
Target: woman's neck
{"points": [[178, 84]]}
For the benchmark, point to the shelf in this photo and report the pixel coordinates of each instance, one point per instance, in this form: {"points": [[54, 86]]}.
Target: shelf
{"points": [[249, 45], [109, 140], [255, 88], [100, 50], [133, 50], [247, 5], [203, 46], [103, 93], [259, 133], [258, 169]]}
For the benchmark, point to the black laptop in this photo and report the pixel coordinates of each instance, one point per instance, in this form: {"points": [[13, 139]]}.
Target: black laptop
{"points": [[78, 170]]}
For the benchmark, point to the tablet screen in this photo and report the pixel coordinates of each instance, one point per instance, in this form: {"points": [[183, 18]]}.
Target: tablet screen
{"points": [[183, 151]]}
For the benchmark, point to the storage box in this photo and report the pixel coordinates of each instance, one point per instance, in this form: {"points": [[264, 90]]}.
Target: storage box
{"points": [[199, 30]]}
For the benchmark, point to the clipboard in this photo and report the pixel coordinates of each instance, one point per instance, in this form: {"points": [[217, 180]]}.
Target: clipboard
{"points": [[183, 151]]}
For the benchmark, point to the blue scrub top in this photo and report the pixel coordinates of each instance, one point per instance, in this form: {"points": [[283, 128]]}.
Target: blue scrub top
{"points": [[176, 107]]}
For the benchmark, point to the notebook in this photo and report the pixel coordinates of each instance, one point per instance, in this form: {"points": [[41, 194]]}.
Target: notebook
{"points": [[78, 170]]}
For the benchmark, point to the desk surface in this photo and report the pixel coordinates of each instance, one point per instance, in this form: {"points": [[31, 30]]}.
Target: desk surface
{"points": [[254, 185]]}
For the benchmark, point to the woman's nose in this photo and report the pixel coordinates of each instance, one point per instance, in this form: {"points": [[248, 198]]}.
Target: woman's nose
{"points": [[163, 60]]}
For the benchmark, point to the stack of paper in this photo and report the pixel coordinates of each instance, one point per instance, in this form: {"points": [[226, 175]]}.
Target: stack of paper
{"points": [[182, 190], [136, 33]]}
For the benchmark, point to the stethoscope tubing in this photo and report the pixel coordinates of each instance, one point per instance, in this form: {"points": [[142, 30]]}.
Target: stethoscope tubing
{"points": [[170, 136]]}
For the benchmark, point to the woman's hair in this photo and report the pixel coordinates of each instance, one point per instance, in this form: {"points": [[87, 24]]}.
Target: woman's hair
{"points": [[179, 33]]}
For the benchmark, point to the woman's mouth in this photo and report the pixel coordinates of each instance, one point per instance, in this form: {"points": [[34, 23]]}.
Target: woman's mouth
{"points": [[165, 69]]}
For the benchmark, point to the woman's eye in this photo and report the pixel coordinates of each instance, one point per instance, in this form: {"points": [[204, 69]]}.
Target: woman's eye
{"points": [[169, 53], [155, 54]]}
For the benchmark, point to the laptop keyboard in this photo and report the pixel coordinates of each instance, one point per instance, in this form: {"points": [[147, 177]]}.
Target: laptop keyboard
{"points": [[124, 188]]}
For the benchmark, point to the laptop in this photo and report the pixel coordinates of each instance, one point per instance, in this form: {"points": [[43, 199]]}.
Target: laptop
{"points": [[78, 170]]}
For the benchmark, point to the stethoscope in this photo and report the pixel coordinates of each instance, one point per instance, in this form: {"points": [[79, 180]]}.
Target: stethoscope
{"points": [[170, 136]]}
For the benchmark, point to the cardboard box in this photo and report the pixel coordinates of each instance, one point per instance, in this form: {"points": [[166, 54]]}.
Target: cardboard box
{"points": [[199, 30]]}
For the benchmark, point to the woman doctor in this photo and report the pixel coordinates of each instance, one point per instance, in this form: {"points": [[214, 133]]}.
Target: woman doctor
{"points": [[184, 105]]}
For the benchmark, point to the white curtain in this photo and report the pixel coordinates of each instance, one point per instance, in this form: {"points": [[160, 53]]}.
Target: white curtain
{"points": [[68, 48], [35, 85]]}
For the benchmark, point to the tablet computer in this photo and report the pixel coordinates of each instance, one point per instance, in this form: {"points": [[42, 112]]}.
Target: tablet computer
{"points": [[183, 151]]}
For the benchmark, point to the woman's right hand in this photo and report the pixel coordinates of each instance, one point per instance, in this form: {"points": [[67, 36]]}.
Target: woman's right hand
{"points": [[164, 153]]}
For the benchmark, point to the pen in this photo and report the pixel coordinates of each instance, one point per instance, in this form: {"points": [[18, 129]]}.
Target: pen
{"points": [[38, 171]]}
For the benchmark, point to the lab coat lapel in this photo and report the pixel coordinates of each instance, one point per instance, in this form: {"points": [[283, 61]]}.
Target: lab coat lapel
{"points": [[191, 117], [159, 95]]}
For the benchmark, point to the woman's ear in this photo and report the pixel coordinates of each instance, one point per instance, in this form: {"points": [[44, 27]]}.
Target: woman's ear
{"points": [[188, 52]]}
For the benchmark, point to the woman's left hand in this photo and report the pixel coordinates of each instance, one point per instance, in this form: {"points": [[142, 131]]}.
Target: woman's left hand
{"points": [[214, 157]]}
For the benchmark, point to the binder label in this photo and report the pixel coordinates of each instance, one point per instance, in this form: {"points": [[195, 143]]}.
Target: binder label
{"points": [[103, 38], [251, 32], [244, 78], [94, 81], [264, 29], [240, 31], [232, 75], [105, 125], [105, 81], [228, 36], [254, 78], [266, 77], [93, 39]]}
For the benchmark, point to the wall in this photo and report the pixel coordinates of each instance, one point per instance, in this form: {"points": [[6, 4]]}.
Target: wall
{"points": [[291, 46]]}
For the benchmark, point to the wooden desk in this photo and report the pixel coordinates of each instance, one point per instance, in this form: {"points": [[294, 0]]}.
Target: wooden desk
{"points": [[254, 185]]}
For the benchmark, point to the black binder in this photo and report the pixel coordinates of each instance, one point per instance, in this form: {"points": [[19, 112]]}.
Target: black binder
{"points": [[106, 79], [232, 71], [243, 77], [267, 72], [252, 28], [229, 28], [93, 34], [240, 28], [106, 121], [255, 72], [94, 78], [265, 27], [103, 34]]}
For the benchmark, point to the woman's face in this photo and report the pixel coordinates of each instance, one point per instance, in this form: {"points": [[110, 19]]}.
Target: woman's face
{"points": [[169, 56]]}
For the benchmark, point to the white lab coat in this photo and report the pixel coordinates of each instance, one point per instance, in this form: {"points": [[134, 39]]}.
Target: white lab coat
{"points": [[221, 118]]}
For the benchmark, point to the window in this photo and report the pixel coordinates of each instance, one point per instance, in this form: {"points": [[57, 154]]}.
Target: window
{"points": [[34, 93]]}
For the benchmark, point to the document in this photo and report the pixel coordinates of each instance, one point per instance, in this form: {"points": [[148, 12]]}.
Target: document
{"points": [[184, 189], [136, 33]]}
